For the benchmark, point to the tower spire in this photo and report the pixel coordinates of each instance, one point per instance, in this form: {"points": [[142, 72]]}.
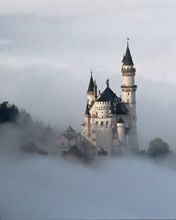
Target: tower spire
{"points": [[127, 58], [107, 83], [91, 83]]}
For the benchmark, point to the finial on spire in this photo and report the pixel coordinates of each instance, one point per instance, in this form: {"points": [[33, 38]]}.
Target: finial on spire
{"points": [[91, 72], [128, 41], [107, 83]]}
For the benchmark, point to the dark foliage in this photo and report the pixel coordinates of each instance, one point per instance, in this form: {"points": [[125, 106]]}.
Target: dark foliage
{"points": [[158, 148], [31, 147], [8, 113]]}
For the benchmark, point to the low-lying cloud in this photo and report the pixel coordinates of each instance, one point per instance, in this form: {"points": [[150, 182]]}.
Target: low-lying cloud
{"points": [[50, 188]]}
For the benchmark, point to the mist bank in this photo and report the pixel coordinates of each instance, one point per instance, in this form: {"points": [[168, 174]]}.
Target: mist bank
{"points": [[47, 188]]}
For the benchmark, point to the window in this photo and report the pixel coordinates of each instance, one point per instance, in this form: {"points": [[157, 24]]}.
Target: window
{"points": [[102, 124]]}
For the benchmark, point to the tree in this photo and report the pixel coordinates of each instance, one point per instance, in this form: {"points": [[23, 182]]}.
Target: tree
{"points": [[157, 148], [24, 118], [8, 113]]}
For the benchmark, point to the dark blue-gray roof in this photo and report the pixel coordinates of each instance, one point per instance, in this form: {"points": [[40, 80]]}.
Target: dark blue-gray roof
{"points": [[108, 96], [121, 108], [91, 84], [127, 58]]}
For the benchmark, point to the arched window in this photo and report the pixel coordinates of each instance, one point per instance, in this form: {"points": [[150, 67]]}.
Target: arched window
{"points": [[106, 124], [102, 124]]}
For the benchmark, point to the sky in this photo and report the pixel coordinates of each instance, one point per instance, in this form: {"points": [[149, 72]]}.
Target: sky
{"points": [[48, 48]]}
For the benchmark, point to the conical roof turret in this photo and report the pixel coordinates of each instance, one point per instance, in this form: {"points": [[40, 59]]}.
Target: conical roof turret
{"points": [[127, 58], [91, 84]]}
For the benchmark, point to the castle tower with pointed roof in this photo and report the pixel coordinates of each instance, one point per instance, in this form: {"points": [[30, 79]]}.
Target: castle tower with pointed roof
{"points": [[92, 91], [109, 120], [129, 95]]}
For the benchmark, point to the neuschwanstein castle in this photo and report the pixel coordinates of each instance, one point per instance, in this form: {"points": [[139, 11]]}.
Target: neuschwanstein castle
{"points": [[109, 120]]}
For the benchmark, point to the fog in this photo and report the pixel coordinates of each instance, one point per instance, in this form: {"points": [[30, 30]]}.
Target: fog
{"points": [[47, 50], [50, 188]]}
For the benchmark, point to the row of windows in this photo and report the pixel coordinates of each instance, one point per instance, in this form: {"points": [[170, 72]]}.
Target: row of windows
{"points": [[102, 114], [102, 107], [102, 103], [102, 124]]}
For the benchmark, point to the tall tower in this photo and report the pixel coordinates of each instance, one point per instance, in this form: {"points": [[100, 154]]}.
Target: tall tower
{"points": [[129, 95]]}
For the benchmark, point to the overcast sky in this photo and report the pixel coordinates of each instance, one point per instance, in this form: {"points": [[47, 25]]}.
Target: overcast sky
{"points": [[48, 47]]}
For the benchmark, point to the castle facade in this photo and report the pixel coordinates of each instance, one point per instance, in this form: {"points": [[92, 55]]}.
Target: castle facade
{"points": [[109, 120]]}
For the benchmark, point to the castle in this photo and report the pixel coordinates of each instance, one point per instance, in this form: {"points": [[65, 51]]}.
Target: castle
{"points": [[110, 121]]}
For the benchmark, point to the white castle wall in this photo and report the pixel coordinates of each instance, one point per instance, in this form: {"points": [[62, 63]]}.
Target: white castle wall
{"points": [[128, 80], [102, 109], [121, 132], [104, 134], [128, 96]]}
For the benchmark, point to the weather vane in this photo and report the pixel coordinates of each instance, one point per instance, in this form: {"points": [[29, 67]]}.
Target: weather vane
{"points": [[107, 83], [128, 40]]}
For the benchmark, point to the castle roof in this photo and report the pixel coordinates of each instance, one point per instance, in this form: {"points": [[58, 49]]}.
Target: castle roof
{"points": [[91, 84], [69, 130], [69, 133], [69, 136], [127, 58], [121, 109], [107, 96], [120, 121]]}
